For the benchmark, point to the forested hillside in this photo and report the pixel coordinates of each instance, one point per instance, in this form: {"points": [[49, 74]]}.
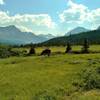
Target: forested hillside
{"points": [[92, 36]]}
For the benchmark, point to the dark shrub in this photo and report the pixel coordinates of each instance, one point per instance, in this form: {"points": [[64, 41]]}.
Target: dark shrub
{"points": [[4, 53], [85, 46], [15, 53], [32, 51], [68, 49], [7, 52], [46, 52]]}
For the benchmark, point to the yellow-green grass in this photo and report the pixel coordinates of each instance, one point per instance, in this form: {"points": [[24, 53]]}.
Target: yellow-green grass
{"points": [[60, 48], [45, 78]]}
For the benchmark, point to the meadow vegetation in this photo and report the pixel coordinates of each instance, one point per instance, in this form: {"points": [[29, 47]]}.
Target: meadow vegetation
{"points": [[58, 77]]}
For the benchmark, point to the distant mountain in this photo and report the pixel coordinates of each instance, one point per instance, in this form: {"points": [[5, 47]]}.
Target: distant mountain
{"points": [[77, 30], [12, 35], [92, 36], [47, 36]]}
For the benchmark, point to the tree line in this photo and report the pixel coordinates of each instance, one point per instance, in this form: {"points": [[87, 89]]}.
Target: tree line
{"points": [[8, 51]]}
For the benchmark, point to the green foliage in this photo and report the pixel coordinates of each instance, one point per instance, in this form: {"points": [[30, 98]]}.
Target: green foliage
{"points": [[85, 46], [77, 39], [32, 50], [69, 48], [4, 53], [50, 78], [90, 79], [44, 95]]}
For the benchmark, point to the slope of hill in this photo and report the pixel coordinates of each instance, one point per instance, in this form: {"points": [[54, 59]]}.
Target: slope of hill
{"points": [[92, 36], [98, 28], [77, 30], [12, 35], [48, 36]]}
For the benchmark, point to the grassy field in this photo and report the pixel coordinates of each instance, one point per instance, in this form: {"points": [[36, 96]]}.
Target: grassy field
{"points": [[74, 48], [61, 48], [46, 78]]}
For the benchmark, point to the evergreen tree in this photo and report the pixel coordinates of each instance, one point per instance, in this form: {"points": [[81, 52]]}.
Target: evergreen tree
{"points": [[85, 48], [32, 50], [69, 48]]}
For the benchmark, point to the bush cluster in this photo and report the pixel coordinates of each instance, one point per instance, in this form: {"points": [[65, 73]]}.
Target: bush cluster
{"points": [[7, 52], [90, 79]]}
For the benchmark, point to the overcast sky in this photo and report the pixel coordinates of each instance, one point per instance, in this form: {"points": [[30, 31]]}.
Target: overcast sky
{"points": [[50, 16]]}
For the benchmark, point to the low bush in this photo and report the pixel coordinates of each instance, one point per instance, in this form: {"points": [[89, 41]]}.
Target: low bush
{"points": [[7, 52], [44, 95], [32, 51], [4, 53], [90, 79]]}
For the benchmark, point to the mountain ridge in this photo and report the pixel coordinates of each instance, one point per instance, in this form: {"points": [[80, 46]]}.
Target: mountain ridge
{"points": [[77, 30], [13, 35]]}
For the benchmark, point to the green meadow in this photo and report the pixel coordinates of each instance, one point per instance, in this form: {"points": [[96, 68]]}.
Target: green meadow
{"points": [[47, 78], [61, 49]]}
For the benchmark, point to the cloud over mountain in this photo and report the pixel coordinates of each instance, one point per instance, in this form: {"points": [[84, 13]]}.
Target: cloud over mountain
{"points": [[27, 22], [73, 16], [79, 14]]}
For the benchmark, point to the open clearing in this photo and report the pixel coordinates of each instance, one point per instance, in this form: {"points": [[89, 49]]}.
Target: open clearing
{"points": [[45, 78]]}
